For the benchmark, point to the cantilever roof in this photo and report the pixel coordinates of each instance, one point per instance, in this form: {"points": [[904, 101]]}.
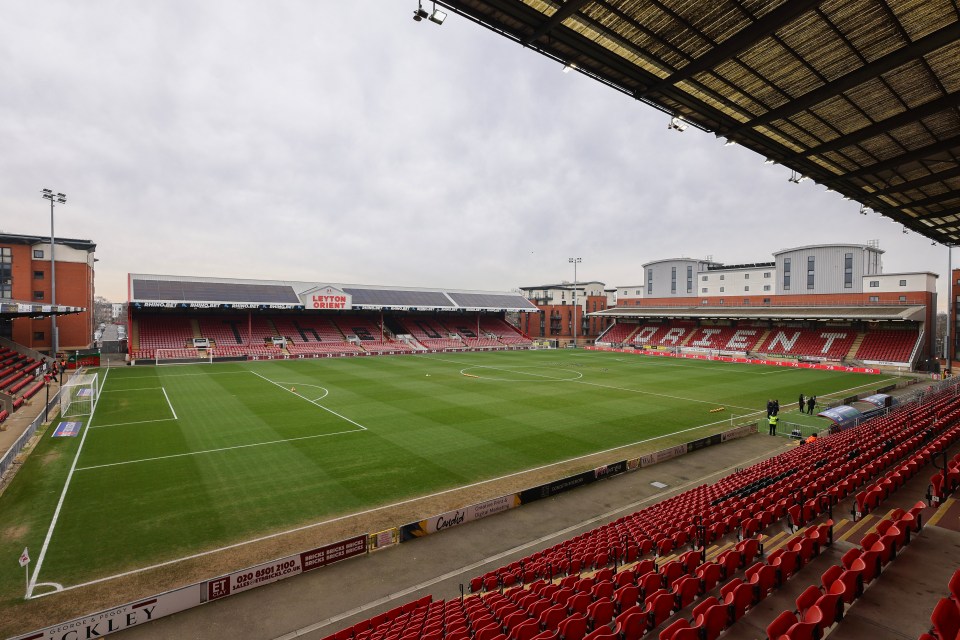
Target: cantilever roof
{"points": [[864, 313], [157, 291], [859, 95]]}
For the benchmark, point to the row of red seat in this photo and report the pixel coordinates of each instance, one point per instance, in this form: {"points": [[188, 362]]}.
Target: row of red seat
{"points": [[820, 607], [945, 619], [833, 343], [787, 485]]}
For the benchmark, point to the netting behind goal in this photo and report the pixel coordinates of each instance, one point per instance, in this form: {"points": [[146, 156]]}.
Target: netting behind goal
{"points": [[78, 397]]}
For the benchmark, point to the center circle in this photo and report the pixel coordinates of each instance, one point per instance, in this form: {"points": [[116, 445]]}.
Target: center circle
{"points": [[522, 374], [296, 385]]}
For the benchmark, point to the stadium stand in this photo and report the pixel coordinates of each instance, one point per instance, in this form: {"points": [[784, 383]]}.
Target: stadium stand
{"points": [[832, 344], [163, 332], [503, 331], [945, 618], [431, 333], [618, 333], [626, 579], [888, 346]]}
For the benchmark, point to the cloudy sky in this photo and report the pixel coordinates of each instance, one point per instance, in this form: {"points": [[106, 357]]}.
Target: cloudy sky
{"points": [[344, 142]]}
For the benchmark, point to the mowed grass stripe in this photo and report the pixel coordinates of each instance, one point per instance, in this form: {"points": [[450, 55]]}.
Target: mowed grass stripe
{"points": [[429, 429]]}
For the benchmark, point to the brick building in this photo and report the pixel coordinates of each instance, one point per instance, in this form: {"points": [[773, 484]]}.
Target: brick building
{"points": [[558, 311], [25, 275]]}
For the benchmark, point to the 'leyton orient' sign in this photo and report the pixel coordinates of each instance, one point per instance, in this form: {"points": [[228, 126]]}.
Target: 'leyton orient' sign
{"points": [[326, 297]]}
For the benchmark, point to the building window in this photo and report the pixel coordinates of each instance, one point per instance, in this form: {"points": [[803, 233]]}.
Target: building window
{"points": [[704, 279], [874, 298], [810, 271], [746, 301], [848, 271], [766, 274], [689, 279], [874, 283], [903, 298], [6, 272], [786, 274], [38, 275], [703, 290], [38, 335], [721, 276], [766, 301], [903, 283], [746, 276], [747, 288], [38, 254], [38, 295], [721, 300], [704, 301], [673, 279], [649, 282], [766, 287], [721, 289]]}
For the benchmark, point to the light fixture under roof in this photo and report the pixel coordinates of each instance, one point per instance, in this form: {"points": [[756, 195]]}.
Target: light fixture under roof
{"points": [[570, 66], [437, 16]]}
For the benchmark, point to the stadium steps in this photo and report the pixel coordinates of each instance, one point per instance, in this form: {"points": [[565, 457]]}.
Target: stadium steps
{"points": [[761, 341], [688, 337], [195, 325], [852, 353], [134, 335]]}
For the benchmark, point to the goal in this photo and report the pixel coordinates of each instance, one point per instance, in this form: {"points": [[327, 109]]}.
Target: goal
{"points": [[78, 397], [183, 356], [545, 343]]}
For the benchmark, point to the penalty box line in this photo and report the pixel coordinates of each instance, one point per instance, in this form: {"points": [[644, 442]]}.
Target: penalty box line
{"points": [[241, 446]]}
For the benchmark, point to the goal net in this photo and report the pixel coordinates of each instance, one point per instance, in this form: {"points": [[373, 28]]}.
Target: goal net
{"points": [[78, 397], [183, 356]]}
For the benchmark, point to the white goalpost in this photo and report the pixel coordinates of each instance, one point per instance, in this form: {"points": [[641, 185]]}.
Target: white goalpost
{"points": [[183, 356], [78, 397]]}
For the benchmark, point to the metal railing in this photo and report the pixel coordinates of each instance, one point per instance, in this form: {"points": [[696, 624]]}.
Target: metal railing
{"points": [[7, 460]]}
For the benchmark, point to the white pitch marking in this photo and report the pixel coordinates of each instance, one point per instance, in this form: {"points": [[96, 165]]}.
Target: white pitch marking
{"points": [[137, 389], [411, 500], [123, 424], [56, 513], [605, 386], [313, 402], [239, 446], [168, 403]]}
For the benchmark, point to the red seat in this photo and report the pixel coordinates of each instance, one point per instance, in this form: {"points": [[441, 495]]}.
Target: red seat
{"points": [[712, 621], [658, 608], [626, 596], [631, 624], [600, 613], [709, 575], [685, 591], [849, 585], [945, 619], [787, 624], [573, 628]]}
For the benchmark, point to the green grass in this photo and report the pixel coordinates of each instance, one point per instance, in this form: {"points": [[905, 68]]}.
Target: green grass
{"points": [[245, 456]]}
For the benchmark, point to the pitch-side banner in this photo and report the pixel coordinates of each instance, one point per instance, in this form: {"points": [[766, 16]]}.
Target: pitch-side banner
{"points": [[285, 567], [720, 358], [122, 617], [458, 516]]}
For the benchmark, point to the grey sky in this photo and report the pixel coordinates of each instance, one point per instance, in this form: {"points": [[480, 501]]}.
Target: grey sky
{"points": [[344, 142]]}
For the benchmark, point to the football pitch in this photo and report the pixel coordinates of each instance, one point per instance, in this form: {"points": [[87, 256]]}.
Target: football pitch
{"points": [[177, 460]]}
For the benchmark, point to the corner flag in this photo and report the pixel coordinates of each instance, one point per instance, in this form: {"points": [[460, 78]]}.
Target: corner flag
{"points": [[24, 557]]}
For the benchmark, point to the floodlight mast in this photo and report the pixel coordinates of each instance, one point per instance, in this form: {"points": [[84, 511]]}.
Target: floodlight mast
{"points": [[54, 198], [574, 262]]}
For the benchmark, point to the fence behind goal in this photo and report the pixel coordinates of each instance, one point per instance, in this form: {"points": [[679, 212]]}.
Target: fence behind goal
{"points": [[78, 397]]}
